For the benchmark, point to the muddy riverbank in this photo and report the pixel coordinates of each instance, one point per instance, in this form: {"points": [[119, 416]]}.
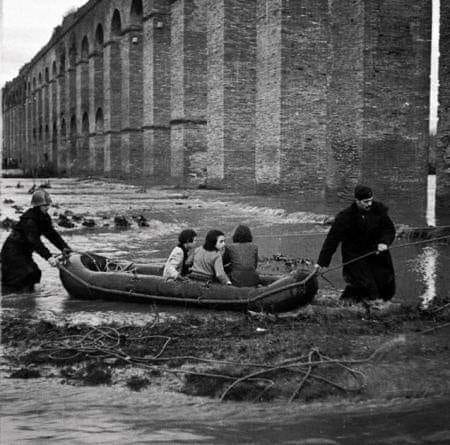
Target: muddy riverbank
{"points": [[321, 353]]}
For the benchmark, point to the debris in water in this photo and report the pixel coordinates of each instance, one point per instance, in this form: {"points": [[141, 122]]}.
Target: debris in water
{"points": [[25, 373], [8, 201], [121, 221], [63, 221], [136, 383], [19, 185], [141, 221], [88, 222]]}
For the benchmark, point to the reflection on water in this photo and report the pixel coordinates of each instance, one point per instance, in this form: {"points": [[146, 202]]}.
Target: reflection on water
{"points": [[427, 264]]}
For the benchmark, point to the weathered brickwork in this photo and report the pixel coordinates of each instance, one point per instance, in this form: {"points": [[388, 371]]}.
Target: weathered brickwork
{"points": [[443, 133], [396, 96], [188, 89], [310, 96]]}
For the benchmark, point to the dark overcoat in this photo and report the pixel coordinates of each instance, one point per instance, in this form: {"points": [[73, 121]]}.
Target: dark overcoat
{"points": [[19, 271], [359, 232]]}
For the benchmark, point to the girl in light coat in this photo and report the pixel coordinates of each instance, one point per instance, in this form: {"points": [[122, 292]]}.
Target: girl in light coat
{"points": [[181, 257]]}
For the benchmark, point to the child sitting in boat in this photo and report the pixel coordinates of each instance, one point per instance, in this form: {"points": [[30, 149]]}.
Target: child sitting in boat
{"points": [[208, 264], [241, 258], [181, 257]]}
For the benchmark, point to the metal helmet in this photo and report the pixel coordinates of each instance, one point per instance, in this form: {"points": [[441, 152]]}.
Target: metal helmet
{"points": [[40, 198]]}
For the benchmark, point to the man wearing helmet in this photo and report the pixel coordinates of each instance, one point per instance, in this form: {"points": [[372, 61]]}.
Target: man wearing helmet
{"points": [[19, 272]]}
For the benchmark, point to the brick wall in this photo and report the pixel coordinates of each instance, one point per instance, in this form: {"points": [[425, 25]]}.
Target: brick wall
{"points": [[310, 96], [443, 133]]}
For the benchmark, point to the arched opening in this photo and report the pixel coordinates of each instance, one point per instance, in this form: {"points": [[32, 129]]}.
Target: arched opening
{"points": [[84, 48], [72, 51], [99, 152], [116, 24], [47, 77], [54, 70], [99, 121], [73, 138], [136, 12], [63, 131], [85, 142], [84, 91], [40, 78], [62, 63], [34, 83], [99, 35]]}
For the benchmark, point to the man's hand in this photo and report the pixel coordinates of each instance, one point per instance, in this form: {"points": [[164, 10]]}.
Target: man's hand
{"points": [[382, 247], [53, 261], [319, 269]]}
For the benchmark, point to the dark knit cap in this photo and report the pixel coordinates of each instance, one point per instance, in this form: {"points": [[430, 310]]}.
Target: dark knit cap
{"points": [[363, 192]]}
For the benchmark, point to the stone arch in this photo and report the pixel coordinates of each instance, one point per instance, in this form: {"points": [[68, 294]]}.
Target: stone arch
{"points": [[47, 77], [136, 12], [116, 24], [62, 62], [72, 51], [84, 48], [99, 150], [84, 73], [84, 155], [99, 36], [63, 131], [99, 121]]}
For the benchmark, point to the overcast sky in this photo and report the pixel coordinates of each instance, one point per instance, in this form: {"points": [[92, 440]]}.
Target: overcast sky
{"points": [[27, 25]]}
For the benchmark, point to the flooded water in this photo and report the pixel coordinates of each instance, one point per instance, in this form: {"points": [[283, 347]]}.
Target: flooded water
{"points": [[52, 412]]}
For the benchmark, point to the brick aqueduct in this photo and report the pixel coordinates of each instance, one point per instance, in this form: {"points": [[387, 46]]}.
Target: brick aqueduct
{"points": [[309, 96]]}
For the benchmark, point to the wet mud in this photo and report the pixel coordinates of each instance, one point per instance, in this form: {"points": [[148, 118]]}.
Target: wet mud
{"points": [[314, 354]]}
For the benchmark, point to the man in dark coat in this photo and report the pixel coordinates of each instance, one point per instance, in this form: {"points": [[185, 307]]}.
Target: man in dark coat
{"points": [[361, 228], [19, 271]]}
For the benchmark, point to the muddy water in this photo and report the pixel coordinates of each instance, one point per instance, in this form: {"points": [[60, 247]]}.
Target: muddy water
{"points": [[113, 415]]}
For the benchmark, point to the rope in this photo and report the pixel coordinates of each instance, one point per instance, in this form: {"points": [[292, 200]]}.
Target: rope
{"points": [[374, 252]]}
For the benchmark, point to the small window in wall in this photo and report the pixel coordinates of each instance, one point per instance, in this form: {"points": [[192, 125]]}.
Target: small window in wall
{"points": [[54, 70], [47, 78]]}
